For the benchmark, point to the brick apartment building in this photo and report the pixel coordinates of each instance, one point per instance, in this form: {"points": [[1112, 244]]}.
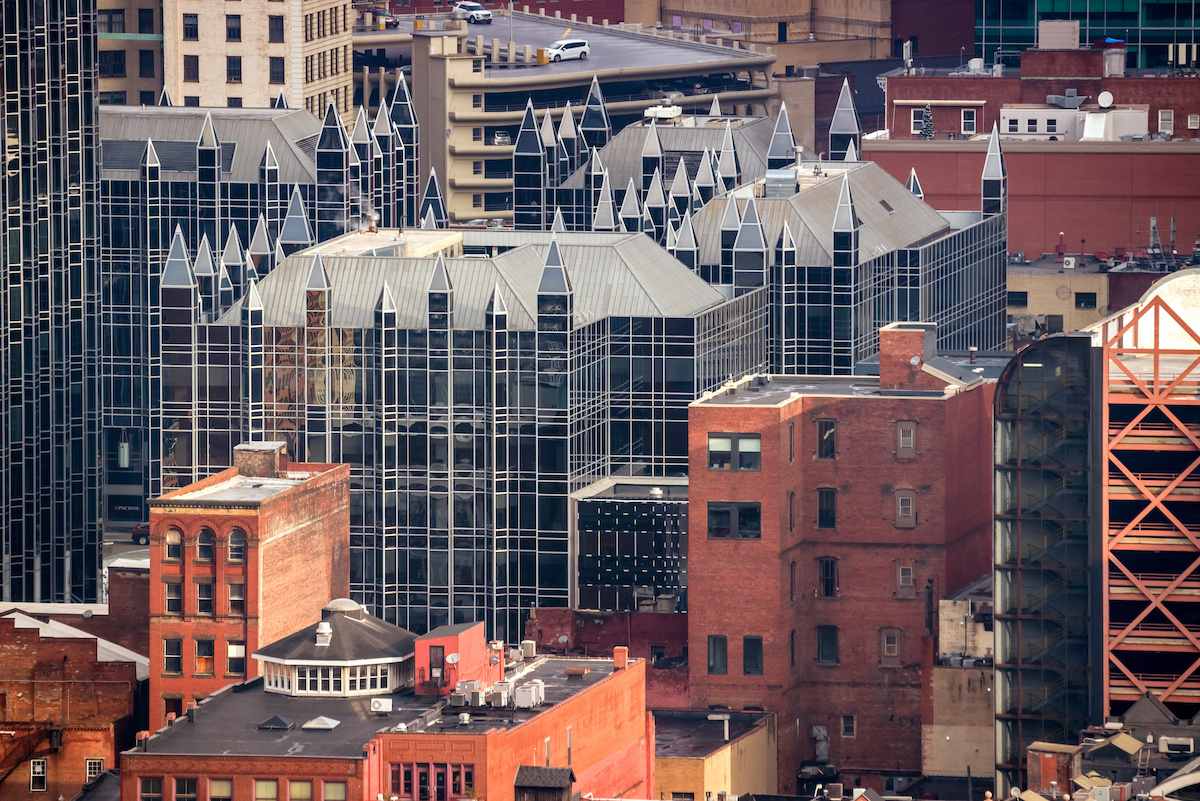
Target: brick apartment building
{"points": [[832, 514], [69, 702], [238, 559], [340, 715]]}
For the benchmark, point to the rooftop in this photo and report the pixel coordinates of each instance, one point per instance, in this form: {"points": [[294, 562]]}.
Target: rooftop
{"points": [[689, 734], [105, 651], [662, 488], [228, 721], [246, 490]]}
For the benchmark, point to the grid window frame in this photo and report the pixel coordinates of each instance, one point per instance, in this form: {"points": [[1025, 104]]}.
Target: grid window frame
{"points": [[718, 655], [206, 657], [236, 546], [233, 27], [191, 27], [191, 69], [173, 597], [204, 598], [111, 63], [889, 647], [277, 69], [275, 29], [916, 119], [826, 508], [205, 545], [906, 439], [827, 577], [826, 439], [92, 768], [735, 452], [968, 121], [752, 655], [233, 69], [849, 726], [906, 509], [38, 780], [173, 656], [730, 520], [828, 651]]}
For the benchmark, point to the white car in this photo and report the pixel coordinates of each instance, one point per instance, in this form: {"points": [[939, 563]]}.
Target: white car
{"points": [[474, 11], [568, 48]]}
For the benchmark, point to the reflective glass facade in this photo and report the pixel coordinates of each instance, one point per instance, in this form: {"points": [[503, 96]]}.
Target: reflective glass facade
{"points": [[49, 511]]}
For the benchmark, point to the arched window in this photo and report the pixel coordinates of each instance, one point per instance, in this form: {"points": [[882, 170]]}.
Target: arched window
{"points": [[237, 545], [174, 544], [204, 545]]}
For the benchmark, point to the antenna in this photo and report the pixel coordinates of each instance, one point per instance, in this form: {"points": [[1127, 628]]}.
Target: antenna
{"points": [[452, 659]]}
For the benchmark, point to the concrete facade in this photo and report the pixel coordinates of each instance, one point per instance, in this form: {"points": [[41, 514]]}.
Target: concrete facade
{"points": [[130, 42], [294, 557]]}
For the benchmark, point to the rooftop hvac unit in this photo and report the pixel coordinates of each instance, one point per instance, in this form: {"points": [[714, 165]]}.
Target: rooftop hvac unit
{"points": [[464, 718], [475, 698], [500, 699], [1070, 262], [1101, 793], [381, 705], [458, 699], [503, 687], [516, 655], [529, 648], [524, 697], [539, 688], [835, 791], [466, 685], [1176, 746], [779, 183]]}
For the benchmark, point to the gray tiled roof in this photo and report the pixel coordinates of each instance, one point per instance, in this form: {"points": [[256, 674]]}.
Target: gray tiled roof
{"points": [[355, 635], [243, 134], [610, 274], [537, 777]]}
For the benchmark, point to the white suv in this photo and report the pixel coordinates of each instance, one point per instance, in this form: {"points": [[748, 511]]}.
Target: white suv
{"points": [[568, 48], [474, 11]]}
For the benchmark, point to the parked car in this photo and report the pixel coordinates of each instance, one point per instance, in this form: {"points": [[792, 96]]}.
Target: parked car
{"points": [[379, 15], [568, 48], [474, 11], [141, 534], [501, 138]]}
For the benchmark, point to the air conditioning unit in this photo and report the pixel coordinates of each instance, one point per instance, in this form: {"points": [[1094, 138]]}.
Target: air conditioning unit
{"points": [[1176, 746], [525, 697], [475, 697], [458, 699], [500, 699], [834, 789], [381, 706], [435, 673], [529, 648], [1101, 793], [1070, 262], [516, 655]]}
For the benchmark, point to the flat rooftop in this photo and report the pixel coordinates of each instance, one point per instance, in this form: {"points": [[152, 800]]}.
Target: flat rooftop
{"points": [[228, 721], [391, 242], [1050, 265], [663, 488], [688, 734], [242, 490]]}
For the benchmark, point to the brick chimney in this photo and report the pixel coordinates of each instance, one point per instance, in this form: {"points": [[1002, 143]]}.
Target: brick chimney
{"points": [[260, 459], [904, 348]]}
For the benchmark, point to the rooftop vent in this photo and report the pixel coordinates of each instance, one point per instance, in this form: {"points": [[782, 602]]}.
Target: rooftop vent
{"points": [[321, 723], [277, 723], [324, 633]]}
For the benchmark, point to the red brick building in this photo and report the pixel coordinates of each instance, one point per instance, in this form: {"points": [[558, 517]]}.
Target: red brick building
{"points": [[70, 704], [315, 728], [826, 515], [238, 559]]}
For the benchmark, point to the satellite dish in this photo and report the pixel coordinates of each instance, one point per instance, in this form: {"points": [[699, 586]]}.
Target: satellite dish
{"points": [[914, 361], [562, 639], [452, 659], [1105, 99]]}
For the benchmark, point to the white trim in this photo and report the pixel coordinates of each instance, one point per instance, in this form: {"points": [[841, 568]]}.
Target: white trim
{"points": [[939, 102]]}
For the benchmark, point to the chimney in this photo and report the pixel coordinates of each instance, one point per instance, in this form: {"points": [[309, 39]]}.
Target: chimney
{"points": [[903, 349], [261, 459], [620, 657]]}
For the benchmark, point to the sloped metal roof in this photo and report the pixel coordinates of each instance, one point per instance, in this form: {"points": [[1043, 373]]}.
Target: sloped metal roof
{"points": [[610, 275], [243, 133]]}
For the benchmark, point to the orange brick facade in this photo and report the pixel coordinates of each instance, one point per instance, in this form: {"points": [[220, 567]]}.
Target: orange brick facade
{"points": [[63, 706], [295, 560], [803, 581]]}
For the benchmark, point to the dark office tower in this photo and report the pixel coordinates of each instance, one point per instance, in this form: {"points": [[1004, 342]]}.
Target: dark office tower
{"points": [[569, 137], [365, 149], [995, 179], [233, 259], [681, 189], [728, 169], [656, 205], [845, 232], [749, 252], [731, 223], [706, 179], [606, 211], [404, 116], [270, 190], [295, 233], [179, 303], [686, 247], [225, 293], [208, 182], [318, 300], [204, 270], [844, 127], [652, 155], [529, 176], [631, 210], [388, 186], [333, 178], [49, 508], [914, 185], [787, 311], [593, 123], [782, 150], [253, 358], [432, 204], [550, 145], [259, 250]]}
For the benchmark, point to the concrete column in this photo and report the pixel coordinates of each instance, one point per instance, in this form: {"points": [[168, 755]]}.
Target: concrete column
{"points": [[589, 19], [527, 53], [478, 45], [557, 13], [573, 18], [512, 52], [604, 22]]}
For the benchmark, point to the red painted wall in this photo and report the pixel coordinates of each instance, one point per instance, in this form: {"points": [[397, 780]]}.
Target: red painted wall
{"points": [[474, 658]]}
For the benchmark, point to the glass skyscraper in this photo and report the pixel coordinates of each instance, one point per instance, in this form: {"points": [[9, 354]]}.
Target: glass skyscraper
{"points": [[50, 532]]}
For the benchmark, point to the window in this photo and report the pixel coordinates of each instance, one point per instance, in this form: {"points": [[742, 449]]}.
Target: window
{"points": [[233, 27], [968, 121], [906, 439], [917, 118], [889, 647], [906, 509], [826, 439], [191, 69], [237, 599], [237, 545], [191, 100], [185, 790], [205, 657], [112, 98], [110, 21], [233, 102], [174, 590], [752, 656], [734, 521], [151, 789], [300, 790], [905, 588], [145, 20], [235, 660], [204, 599], [826, 508], [792, 582], [1193, 121], [847, 725], [827, 645], [112, 63], [477, 201], [1014, 125], [734, 452], [718, 655], [1051, 125], [791, 442], [220, 790], [172, 656], [792, 647], [146, 98], [827, 577], [93, 768], [145, 63], [1166, 121], [1019, 300], [1085, 300], [191, 27], [336, 791], [791, 511], [1031, 125], [476, 134], [275, 28], [204, 545], [233, 69], [266, 790], [37, 775], [476, 101], [277, 69]]}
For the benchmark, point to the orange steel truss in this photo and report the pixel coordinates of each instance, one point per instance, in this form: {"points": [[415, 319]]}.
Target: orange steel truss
{"points": [[1151, 508]]}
